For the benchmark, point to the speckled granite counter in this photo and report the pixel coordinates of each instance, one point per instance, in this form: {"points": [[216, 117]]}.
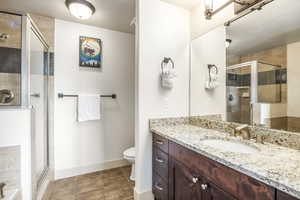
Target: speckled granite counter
{"points": [[274, 165]]}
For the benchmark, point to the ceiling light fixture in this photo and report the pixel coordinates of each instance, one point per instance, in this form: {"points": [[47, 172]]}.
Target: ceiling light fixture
{"points": [[81, 9], [209, 7]]}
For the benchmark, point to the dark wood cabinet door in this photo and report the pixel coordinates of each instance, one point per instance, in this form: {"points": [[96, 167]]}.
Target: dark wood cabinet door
{"points": [[284, 196], [159, 187], [212, 192], [185, 184]]}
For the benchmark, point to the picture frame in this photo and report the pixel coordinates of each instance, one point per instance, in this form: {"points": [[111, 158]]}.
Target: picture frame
{"points": [[90, 52]]}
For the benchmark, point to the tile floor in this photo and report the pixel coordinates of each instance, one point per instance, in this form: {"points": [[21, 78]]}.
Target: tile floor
{"points": [[113, 184]]}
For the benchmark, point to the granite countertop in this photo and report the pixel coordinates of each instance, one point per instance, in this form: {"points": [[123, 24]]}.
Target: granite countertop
{"points": [[274, 165]]}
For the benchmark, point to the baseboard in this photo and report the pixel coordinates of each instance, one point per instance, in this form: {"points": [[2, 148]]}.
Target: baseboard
{"points": [[47, 194], [148, 195], [65, 173], [45, 189]]}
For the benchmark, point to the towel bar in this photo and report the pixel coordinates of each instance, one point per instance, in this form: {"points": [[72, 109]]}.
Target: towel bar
{"points": [[61, 95]]}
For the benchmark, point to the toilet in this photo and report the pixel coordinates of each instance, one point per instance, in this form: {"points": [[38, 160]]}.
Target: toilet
{"points": [[129, 155]]}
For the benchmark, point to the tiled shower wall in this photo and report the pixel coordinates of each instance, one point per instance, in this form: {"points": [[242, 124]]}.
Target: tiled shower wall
{"points": [[10, 55], [10, 51], [268, 80], [10, 167], [275, 56]]}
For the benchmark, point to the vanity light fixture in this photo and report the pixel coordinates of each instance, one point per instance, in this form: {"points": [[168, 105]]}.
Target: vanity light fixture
{"points": [[81, 9], [209, 7]]}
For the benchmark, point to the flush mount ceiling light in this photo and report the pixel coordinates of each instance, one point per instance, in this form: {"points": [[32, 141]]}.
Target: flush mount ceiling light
{"points": [[81, 9], [209, 7]]}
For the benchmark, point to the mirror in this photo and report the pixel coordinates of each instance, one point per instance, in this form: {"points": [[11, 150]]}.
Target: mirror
{"points": [[259, 78], [263, 67]]}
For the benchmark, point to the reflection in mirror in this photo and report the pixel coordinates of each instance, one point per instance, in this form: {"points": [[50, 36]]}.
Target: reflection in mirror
{"points": [[207, 91], [263, 67]]}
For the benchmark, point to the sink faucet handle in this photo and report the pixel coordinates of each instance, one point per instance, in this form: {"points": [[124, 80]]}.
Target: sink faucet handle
{"points": [[242, 127], [260, 139], [2, 185], [244, 131]]}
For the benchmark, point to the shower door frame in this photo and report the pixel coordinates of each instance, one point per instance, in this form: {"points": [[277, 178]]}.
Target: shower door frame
{"points": [[253, 85], [29, 26]]}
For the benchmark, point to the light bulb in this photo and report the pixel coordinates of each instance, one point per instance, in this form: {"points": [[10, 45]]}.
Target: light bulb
{"points": [[208, 4], [80, 8]]}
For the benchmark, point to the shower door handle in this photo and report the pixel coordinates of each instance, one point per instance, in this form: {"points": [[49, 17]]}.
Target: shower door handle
{"points": [[36, 95]]}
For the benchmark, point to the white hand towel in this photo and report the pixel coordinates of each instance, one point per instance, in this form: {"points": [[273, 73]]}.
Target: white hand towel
{"points": [[89, 108]]}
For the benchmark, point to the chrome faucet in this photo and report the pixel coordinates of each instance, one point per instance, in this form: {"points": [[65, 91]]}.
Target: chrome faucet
{"points": [[244, 131]]}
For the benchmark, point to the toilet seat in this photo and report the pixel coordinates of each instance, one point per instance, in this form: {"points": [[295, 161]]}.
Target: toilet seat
{"points": [[130, 153]]}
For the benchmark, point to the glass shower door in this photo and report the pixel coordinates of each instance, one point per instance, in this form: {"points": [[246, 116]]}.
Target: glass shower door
{"points": [[238, 88], [39, 103]]}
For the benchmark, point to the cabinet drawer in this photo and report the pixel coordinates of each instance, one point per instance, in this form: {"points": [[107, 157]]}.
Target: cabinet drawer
{"points": [[160, 163], [161, 143], [159, 187], [284, 196], [239, 185]]}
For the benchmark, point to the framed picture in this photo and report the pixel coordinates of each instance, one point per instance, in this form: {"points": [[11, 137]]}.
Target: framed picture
{"points": [[90, 52]]}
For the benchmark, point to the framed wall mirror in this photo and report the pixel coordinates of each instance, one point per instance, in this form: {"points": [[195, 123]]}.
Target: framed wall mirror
{"points": [[263, 67], [258, 61]]}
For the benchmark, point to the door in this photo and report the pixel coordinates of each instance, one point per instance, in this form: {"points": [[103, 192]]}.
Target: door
{"points": [[212, 192], [38, 65], [184, 184], [238, 97]]}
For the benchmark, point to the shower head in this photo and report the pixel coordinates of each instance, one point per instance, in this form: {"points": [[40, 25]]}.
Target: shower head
{"points": [[4, 36]]}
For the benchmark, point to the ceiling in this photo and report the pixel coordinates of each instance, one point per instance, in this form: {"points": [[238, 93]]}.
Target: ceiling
{"points": [[187, 4], [276, 24], [110, 14], [191, 4]]}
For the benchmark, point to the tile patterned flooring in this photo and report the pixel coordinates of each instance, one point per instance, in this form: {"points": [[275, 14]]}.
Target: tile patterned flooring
{"points": [[113, 184]]}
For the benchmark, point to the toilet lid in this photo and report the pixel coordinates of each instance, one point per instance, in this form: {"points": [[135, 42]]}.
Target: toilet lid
{"points": [[130, 152]]}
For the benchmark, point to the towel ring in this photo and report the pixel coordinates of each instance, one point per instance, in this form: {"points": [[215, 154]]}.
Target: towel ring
{"points": [[210, 66], [166, 61]]}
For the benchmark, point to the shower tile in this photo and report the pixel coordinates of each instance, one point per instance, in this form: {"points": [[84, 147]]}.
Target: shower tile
{"points": [[10, 60], [10, 167]]}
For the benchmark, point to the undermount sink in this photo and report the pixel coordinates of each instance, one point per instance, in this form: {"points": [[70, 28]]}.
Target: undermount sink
{"points": [[230, 146]]}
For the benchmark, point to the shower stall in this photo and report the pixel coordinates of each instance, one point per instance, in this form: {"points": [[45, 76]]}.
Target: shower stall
{"points": [[248, 85], [24, 76]]}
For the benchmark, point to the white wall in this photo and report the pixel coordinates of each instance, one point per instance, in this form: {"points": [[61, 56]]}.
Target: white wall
{"points": [[88, 146], [293, 74], [200, 25], [16, 131], [208, 49], [163, 31]]}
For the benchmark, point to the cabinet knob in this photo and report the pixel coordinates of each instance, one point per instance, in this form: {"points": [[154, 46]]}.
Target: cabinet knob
{"points": [[159, 142], [158, 187], [159, 160], [195, 180], [204, 186]]}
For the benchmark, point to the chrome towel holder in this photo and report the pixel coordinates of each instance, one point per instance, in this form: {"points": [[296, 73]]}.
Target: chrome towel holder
{"points": [[62, 95]]}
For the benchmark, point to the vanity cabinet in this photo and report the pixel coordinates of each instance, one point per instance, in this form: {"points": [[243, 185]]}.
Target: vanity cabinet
{"points": [[182, 174], [186, 184], [283, 196]]}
